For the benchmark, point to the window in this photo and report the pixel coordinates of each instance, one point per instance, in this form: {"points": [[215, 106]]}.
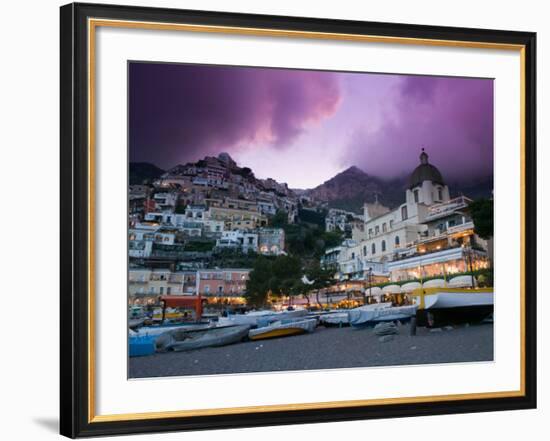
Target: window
{"points": [[440, 193], [373, 249], [370, 232], [377, 229], [161, 290], [384, 227], [383, 245], [416, 198], [396, 240], [207, 289], [220, 289], [352, 256], [404, 214], [391, 224], [364, 250], [169, 290]]}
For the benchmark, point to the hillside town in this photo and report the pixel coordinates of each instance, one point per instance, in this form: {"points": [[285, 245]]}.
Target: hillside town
{"points": [[202, 228]]}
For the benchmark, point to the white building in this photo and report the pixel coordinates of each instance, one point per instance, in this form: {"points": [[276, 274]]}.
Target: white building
{"points": [[427, 222], [245, 240]]}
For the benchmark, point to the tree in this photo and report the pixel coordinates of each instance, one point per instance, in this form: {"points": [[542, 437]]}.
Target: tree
{"points": [[280, 219], [481, 211], [321, 278], [257, 285], [277, 275]]}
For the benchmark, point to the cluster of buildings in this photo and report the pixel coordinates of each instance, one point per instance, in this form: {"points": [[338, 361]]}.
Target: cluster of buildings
{"points": [[147, 284], [428, 234], [199, 210], [191, 213], [342, 220]]}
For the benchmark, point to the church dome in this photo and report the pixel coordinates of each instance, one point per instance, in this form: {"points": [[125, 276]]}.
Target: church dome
{"points": [[425, 172]]}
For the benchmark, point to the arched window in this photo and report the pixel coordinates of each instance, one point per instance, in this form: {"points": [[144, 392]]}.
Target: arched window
{"points": [[373, 249], [383, 245], [397, 240]]}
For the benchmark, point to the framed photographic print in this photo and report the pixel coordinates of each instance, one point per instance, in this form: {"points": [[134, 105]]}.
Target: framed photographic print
{"points": [[275, 220]]}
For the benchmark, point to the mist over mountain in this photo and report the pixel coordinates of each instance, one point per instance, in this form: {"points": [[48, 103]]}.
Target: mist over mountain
{"points": [[350, 189]]}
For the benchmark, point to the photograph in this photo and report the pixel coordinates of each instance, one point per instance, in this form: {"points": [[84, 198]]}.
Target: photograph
{"points": [[289, 220]]}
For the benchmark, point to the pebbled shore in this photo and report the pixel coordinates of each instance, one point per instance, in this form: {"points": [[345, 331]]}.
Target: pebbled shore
{"points": [[326, 348]]}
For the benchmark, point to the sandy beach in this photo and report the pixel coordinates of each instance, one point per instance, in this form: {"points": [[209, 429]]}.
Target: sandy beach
{"points": [[326, 348]]}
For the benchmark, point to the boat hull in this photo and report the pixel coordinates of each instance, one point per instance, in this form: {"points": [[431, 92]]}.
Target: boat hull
{"points": [[260, 319], [183, 340], [282, 329], [367, 318]]}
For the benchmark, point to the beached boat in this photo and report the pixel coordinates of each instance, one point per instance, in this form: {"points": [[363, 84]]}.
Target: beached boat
{"points": [[342, 318], [335, 319], [283, 329], [454, 305], [186, 340], [368, 317], [156, 330], [443, 298], [261, 318], [139, 346]]}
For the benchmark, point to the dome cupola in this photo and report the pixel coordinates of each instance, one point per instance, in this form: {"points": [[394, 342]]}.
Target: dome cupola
{"points": [[425, 172]]}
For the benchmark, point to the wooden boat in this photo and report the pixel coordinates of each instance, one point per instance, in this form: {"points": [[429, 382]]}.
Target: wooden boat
{"points": [[283, 329], [186, 340], [363, 318]]}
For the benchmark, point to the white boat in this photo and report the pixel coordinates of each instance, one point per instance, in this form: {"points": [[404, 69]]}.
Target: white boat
{"points": [[186, 340], [282, 329], [342, 318], [261, 318], [362, 318], [335, 319], [444, 298], [158, 330]]}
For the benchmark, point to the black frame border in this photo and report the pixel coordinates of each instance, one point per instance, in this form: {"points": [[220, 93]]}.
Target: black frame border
{"points": [[74, 220]]}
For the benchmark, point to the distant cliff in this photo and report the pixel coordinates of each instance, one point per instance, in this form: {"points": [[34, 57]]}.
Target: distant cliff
{"points": [[142, 172]]}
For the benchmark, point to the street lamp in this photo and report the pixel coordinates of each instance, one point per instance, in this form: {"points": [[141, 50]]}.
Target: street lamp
{"points": [[369, 279]]}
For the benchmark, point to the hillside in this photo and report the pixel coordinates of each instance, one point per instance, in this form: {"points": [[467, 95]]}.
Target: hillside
{"points": [[141, 172]]}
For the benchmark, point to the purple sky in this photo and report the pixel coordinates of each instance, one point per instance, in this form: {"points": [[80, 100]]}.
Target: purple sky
{"points": [[303, 127]]}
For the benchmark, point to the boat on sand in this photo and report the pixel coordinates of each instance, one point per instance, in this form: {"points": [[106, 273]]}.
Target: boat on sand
{"points": [[363, 318], [261, 318], [186, 340], [342, 318], [283, 329]]}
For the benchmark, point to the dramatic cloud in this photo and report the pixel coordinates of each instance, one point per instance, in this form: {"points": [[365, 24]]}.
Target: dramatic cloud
{"points": [[183, 112], [451, 117], [303, 127]]}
